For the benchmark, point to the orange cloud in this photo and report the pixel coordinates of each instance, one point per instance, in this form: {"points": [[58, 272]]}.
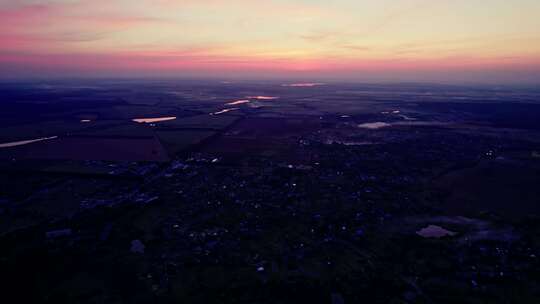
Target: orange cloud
{"points": [[341, 37]]}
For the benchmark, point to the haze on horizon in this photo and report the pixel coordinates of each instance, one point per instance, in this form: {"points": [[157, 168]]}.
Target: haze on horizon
{"points": [[494, 41]]}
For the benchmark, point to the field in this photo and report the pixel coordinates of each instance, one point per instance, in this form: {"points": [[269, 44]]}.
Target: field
{"points": [[336, 193]]}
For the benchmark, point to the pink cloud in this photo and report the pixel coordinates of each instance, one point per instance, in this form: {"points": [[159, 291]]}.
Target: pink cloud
{"points": [[27, 26], [15, 17], [202, 61], [53, 37]]}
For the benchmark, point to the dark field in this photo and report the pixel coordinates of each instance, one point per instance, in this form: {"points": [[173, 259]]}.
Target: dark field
{"points": [[339, 193]]}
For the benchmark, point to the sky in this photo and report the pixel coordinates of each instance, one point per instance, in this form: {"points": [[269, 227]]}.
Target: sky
{"points": [[492, 41]]}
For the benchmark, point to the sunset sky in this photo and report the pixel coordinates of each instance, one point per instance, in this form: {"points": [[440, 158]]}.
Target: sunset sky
{"points": [[367, 40]]}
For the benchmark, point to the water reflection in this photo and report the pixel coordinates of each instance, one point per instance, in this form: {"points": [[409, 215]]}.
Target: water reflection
{"points": [[263, 97], [243, 101], [224, 111], [434, 231], [25, 142], [300, 85], [154, 119], [374, 125]]}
